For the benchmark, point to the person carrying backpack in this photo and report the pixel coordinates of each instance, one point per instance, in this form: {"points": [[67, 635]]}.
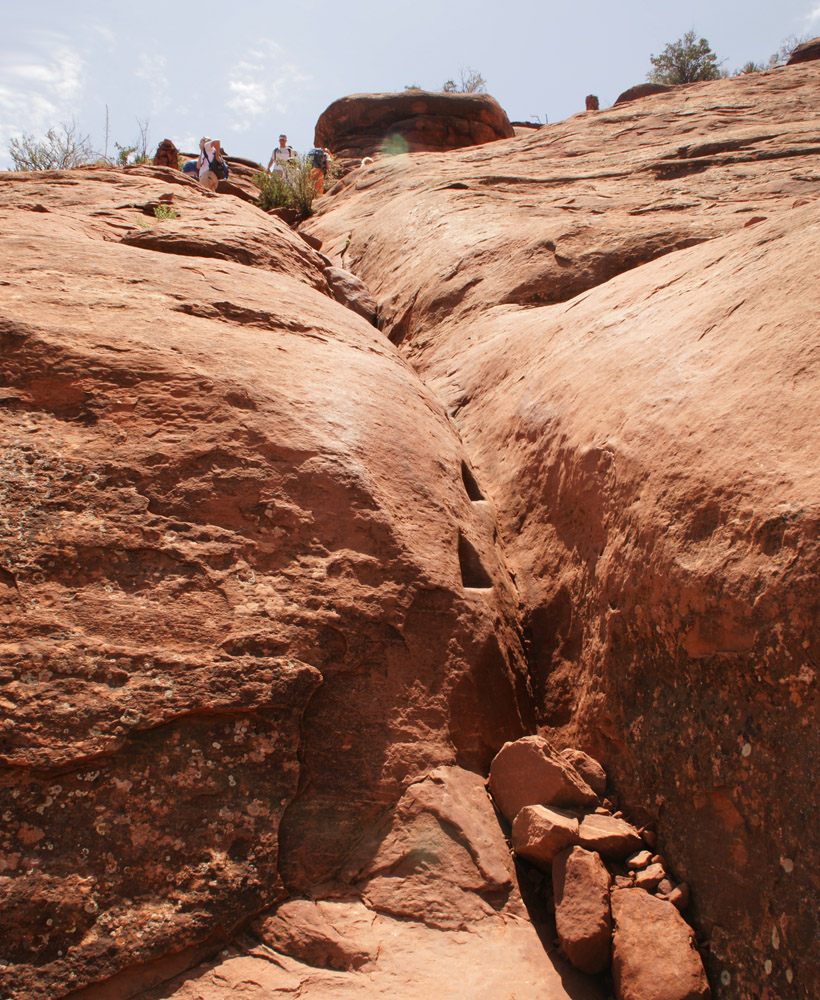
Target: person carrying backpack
{"points": [[280, 155], [320, 158], [212, 166]]}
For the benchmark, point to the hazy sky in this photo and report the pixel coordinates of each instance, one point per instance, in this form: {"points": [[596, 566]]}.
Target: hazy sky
{"points": [[244, 70]]}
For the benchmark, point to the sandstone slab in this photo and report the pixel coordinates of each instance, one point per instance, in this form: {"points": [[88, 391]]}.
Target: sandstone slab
{"points": [[610, 837], [540, 832], [653, 950], [582, 911]]}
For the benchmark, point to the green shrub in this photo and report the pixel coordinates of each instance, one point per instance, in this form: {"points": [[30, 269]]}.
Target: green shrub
{"points": [[165, 212], [294, 187]]}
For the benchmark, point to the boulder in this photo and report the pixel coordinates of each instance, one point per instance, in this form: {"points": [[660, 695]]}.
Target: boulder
{"points": [[351, 292], [653, 950], [610, 837], [327, 934], [582, 912], [641, 90], [360, 125], [589, 769], [540, 832], [529, 771], [805, 52]]}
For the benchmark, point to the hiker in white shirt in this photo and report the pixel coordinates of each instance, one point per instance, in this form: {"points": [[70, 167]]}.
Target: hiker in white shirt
{"points": [[281, 154], [208, 150]]}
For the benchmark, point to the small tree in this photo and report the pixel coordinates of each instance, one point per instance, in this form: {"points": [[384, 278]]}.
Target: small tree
{"points": [[471, 83], [685, 61], [61, 149]]}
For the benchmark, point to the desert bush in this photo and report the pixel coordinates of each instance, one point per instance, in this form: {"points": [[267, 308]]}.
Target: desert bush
{"points": [[165, 212], [60, 149], [294, 187], [471, 83], [685, 61]]}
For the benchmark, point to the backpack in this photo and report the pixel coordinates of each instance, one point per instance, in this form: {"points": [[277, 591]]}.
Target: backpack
{"points": [[318, 157], [219, 166]]}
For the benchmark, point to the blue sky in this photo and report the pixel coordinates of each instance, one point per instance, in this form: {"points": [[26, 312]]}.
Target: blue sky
{"points": [[244, 70]]}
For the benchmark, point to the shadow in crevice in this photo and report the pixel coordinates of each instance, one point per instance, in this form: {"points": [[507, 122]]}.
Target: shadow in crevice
{"points": [[473, 574], [472, 487], [535, 887]]}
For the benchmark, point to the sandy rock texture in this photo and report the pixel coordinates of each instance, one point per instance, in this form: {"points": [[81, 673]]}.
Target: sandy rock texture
{"points": [[358, 125], [620, 313], [240, 595]]}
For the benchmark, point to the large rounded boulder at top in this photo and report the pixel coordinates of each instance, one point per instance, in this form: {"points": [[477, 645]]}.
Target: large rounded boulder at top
{"points": [[358, 125], [806, 52]]}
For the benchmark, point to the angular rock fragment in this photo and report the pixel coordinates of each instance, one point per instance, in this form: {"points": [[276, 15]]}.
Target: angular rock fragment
{"points": [[650, 877], [589, 769], [540, 832], [611, 837], [582, 910], [653, 950], [530, 772], [332, 935]]}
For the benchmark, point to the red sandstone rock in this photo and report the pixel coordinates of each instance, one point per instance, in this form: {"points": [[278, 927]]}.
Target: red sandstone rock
{"points": [[540, 832], [327, 934], [234, 620], [650, 448], [805, 52], [589, 769], [357, 126], [529, 771], [639, 860], [609, 836], [351, 292], [650, 878], [653, 950], [641, 90], [582, 915]]}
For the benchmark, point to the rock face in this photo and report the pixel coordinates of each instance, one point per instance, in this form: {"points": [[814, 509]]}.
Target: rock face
{"points": [[234, 621], [359, 125], [653, 955], [619, 313], [275, 591]]}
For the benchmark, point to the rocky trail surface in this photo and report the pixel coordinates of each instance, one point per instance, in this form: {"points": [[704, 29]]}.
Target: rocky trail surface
{"points": [[277, 585]]}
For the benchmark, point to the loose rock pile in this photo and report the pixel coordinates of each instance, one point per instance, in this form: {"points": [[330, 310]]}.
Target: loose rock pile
{"points": [[616, 906]]}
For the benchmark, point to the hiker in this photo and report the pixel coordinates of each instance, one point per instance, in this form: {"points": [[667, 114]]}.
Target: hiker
{"points": [[280, 155], [320, 158], [210, 163]]}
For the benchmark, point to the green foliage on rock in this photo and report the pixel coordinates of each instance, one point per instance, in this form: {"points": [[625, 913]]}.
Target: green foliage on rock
{"points": [[687, 60], [294, 187]]}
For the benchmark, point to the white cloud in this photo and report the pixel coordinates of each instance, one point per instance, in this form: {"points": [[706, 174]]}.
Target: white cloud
{"points": [[263, 81], [152, 67], [814, 16], [41, 84]]}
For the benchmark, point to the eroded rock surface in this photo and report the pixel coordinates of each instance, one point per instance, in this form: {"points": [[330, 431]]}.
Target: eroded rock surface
{"points": [[620, 312], [234, 620]]}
